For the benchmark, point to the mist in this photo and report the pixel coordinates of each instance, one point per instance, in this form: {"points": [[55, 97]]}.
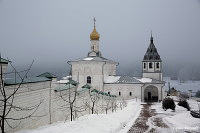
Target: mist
{"points": [[52, 32]]}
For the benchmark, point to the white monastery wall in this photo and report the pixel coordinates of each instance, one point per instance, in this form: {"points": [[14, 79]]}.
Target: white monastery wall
{"points": [[28, 96], [128, 91], [52, 109]]}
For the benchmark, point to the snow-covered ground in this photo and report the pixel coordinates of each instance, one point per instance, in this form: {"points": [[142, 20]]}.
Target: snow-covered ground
{"points": [[186, 86], [180, 119], [119, 121]]}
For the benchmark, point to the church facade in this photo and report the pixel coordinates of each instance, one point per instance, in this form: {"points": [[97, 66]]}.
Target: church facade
{"points": [[100, 73]]}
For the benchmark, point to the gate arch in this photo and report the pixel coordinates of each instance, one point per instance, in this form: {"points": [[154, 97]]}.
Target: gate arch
{"points": [[151, 93]]}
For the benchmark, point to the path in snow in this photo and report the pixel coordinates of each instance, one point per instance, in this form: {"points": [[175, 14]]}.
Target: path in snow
{"points": [[148, 121]]}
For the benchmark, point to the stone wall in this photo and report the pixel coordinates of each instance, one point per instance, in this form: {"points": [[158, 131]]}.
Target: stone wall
{"points": [[52, 109]]}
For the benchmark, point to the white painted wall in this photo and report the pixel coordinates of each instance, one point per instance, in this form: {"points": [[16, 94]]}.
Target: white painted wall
{"points": [[125, 90], [30, 95], [155, 75], [50, 111], [97, 70]]}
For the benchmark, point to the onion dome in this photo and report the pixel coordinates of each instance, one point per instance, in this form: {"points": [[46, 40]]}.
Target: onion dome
{"points": [[94, 35]]}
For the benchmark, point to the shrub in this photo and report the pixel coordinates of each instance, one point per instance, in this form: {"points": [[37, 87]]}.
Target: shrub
{"points": [[184, 104], [168, 103], [198, 93]]}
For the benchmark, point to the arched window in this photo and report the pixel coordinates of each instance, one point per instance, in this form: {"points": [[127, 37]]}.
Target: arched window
{"points": [[109, 93], [89, 80], [130, 93], [119, 93], [150, 65], [144, 65], [157, 65]]}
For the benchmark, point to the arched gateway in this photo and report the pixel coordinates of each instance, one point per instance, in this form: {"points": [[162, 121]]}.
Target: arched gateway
{"points": [[151, 94]]}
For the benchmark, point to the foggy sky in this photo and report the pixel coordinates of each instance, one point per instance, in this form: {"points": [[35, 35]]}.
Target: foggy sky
{"points": [[53, 32]]}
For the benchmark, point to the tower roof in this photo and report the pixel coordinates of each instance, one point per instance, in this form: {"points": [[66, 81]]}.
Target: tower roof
{"points": [[94, 35], [152, 53], [47, 75], [4, 61]]}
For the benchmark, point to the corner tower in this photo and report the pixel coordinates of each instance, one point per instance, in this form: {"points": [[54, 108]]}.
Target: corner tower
{"points": [[3, 67], [152, 63], [94, 38]]}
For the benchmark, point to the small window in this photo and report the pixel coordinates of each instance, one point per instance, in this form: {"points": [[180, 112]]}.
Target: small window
{"points": [[89, 80], [130, 93], [109, 93], [157, 65], [150, 65], [119, 93], [144, 65]]}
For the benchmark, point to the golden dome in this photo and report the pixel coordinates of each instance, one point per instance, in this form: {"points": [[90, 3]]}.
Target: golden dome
{"points": [[94, 35]]}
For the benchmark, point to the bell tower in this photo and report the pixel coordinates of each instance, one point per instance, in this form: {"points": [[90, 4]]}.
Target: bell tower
{"points": [[94, 38], [152, 63]]}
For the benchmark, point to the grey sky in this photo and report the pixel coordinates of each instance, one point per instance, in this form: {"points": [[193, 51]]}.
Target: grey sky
{"points": [[55, 31]]}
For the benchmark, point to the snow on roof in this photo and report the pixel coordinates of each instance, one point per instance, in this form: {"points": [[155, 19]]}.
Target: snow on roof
{"points": [[145, 80], [101, 59], [87, 58], [111, 79], [66, 78], [63, 81]]}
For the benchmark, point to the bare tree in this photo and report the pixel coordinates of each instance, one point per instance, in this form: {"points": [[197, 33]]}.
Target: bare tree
{"points": [[122, 103], [108, 100], [113, 103], [7, 98], [93, 96], [69, 96]]}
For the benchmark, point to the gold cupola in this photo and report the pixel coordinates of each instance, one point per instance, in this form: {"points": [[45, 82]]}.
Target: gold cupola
{"points": [[94, 35]]}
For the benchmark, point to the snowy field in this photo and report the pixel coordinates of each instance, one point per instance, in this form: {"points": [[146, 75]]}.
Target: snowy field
{"points": [[180, 120], [119, 121], [184, 87]]}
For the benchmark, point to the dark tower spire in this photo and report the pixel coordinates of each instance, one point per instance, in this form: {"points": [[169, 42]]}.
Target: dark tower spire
{"points": [[152, 53], [151, 37]]}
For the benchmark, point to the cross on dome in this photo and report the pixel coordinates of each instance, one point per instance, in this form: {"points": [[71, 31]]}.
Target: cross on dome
{"points": [[94, 35]]}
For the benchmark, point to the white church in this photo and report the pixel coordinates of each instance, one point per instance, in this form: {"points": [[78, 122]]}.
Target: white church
{"points": [[93, 69], [100, 73]]}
